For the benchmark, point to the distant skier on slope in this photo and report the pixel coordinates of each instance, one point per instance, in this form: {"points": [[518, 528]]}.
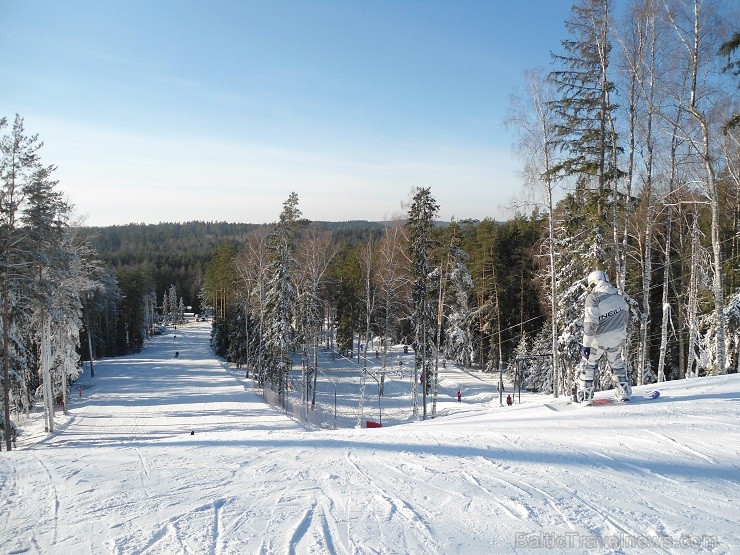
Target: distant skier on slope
{"points": [[604, 333]]}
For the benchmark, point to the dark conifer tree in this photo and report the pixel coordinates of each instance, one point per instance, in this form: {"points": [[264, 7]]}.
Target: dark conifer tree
{"points": [[281, 297], [584, 125], [420, 225]]}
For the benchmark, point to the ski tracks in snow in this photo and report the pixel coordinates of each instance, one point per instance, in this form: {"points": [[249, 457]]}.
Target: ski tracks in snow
{"points": [[383, 507], [196, 530], [29, 491], [308, 519], [681, 446], [53, 498]]}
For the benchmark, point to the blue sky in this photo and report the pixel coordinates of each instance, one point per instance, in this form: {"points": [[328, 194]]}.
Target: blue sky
{"points": [[182, 110]]}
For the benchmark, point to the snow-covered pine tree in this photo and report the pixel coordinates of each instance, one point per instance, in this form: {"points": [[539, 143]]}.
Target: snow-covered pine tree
{"points": [[77, 276], [580, 244], [19, 162], [419, 225], [280, 297], [518, 369], [540, 374], [173, 305], [236, 334], [166, 307], [459, 321], [59, 280]]}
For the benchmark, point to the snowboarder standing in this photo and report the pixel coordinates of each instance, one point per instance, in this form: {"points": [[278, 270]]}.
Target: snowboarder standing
{"points": [[604, 333]]}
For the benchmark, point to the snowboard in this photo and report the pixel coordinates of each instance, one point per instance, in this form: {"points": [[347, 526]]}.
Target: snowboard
{"points": [[613, 400], [571, 405]]}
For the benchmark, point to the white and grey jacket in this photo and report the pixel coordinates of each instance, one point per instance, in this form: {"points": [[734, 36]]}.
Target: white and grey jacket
{"points": [[605, 321]]}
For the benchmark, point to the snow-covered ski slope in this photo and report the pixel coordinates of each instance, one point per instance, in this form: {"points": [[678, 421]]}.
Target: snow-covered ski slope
{"points": [[123, 474]]}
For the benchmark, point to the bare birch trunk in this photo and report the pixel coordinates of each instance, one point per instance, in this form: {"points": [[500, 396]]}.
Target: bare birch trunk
{"points": [[692, 370], [46, 373], [665, 303]]}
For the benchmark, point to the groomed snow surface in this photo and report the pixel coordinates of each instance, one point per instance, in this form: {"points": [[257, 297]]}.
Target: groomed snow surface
{"points": [[123, 473]]}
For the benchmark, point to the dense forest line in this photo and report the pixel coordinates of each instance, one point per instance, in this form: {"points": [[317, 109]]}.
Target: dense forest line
{"points": [[166, 254], [149, 259]]}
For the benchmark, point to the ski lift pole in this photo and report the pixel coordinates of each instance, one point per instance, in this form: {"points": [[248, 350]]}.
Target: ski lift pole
{"points": [[518, 374]]}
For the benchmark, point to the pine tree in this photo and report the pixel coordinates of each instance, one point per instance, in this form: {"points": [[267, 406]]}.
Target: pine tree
{"points": [[420, 225], [173, 305], [166, 306], [580, 240], [220, 279], [281, 296], [19, 166], [585, 128], [458, 336], [43, 275], [44, 220]]}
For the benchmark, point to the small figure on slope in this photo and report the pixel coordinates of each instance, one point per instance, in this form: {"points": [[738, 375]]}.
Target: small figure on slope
{"points": [[604, 333]]}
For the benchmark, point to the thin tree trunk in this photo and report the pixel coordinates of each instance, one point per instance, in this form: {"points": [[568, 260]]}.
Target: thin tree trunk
{"points": [[666, 305], [6, 368], [692, 362], [46, 373]]}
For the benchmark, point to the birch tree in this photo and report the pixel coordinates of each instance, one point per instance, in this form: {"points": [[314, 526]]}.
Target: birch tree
{"points": [[392, 277], [533, 120], [691, 22], [315, 253], [367, 258], [641, 58], [251, 267]]}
